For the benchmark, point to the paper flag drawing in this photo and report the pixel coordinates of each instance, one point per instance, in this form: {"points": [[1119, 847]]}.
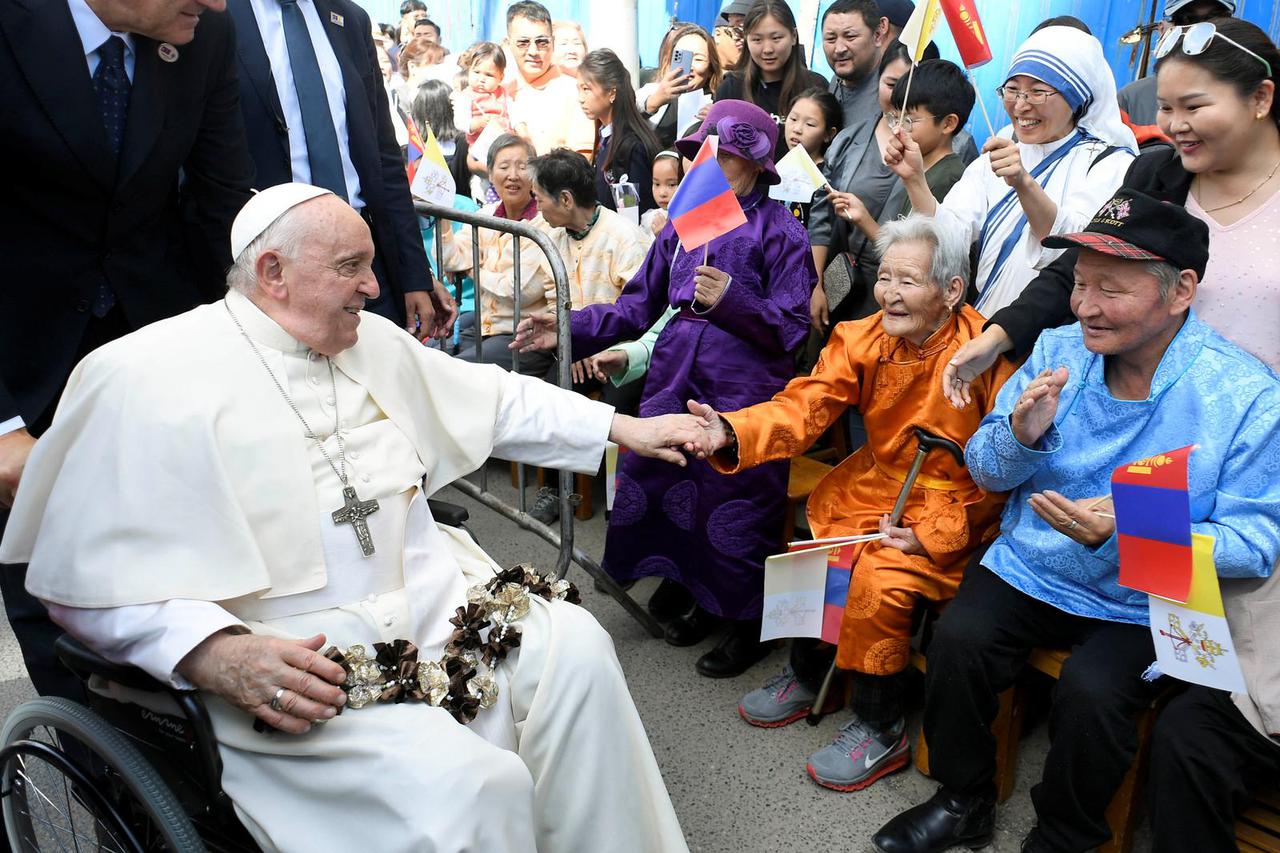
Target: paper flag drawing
{"points": [[805, 589], [1153, 523], [612, 456], [1193, 641], [918, 31], [800, 177], [433, 181], [687, 107], [704, 206]]}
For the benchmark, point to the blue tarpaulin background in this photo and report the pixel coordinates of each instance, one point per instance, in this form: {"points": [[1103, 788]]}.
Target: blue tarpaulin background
{"points": [[1007, 22]]}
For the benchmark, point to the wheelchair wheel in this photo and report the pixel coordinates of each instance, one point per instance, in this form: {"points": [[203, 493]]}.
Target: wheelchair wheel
{"points": [[69, 781]]}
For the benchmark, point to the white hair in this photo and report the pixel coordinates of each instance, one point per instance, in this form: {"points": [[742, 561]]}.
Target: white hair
{"points": [[950, 253], [1166, 275], [284, 236]]}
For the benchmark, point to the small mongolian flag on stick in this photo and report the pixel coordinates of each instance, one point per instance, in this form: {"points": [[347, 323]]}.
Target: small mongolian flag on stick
{"points": [[1153, 524]]}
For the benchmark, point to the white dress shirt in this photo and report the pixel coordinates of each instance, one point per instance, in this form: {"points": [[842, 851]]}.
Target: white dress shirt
{"points": [[93, 34], [271, 25]]}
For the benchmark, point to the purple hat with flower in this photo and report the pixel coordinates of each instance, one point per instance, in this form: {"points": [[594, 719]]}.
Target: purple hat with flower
{"points": [[743, 129]]}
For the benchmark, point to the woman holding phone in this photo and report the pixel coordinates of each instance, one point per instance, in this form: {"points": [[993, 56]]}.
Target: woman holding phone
{"points": [[687, 62]]}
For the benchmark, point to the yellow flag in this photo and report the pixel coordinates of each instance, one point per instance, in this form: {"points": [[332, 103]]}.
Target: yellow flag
{"points": [[433, 181], [1205, 595], [918, 32]]}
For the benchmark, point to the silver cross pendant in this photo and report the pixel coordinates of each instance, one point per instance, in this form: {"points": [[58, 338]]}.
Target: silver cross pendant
{"points": [[354, 512]]}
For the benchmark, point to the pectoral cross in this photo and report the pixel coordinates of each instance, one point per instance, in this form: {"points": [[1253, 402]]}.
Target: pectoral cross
{"points": [[354, 511]]}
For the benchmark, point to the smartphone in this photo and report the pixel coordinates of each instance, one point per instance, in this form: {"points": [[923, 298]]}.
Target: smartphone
{"points": [[683, 60]]}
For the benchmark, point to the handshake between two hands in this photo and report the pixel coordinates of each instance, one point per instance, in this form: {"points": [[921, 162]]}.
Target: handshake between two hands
{"points": [[672, 438]]}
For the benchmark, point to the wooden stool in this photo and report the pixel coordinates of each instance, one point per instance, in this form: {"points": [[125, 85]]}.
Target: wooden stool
{"points": [[1258, 829], [804, 477], [1122, 813]]}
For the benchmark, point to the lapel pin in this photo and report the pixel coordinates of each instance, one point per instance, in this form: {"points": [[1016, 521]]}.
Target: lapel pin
{"points": [[167, 52], [335, 18]]}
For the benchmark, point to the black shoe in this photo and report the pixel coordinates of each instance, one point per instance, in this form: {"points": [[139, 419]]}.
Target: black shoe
{"points": [[546, 506], [738, 650], [691, 628], [669, 600], [945, 820]]}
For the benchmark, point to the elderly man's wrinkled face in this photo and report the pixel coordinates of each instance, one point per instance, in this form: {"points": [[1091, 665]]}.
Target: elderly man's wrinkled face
{"points": [[172, 21], [914, 305], [327, 281], [1119, 305]]}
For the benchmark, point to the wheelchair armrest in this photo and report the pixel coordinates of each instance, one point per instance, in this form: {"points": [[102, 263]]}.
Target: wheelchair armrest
{"points": [[85, 662], [450, 515]]}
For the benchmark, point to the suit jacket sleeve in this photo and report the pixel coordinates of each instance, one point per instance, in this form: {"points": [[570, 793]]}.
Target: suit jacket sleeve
{"points": [[410, 271], [219, 173]]}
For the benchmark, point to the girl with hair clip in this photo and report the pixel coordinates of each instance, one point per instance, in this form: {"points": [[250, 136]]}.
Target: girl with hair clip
{"points": [[1064, 154], [658, 99], [668, 172], [625, 143], [773, 73], [1216, 91]]}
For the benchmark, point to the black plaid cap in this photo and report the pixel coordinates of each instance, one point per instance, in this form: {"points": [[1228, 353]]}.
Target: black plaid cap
{"points": [[1136, 226]]}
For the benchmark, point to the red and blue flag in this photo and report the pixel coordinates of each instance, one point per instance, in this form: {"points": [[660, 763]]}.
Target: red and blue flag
{"points": [[704, 206], [834, 597], [1153, 524], [415, 149]]}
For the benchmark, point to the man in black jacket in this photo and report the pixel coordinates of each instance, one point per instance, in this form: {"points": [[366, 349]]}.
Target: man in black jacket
{"points": [[316, 112], [127, 163]]}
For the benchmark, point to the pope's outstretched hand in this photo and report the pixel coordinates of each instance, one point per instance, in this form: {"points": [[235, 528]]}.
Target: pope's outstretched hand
{"points": [[663, 437], [535, 332], [249, 671]]}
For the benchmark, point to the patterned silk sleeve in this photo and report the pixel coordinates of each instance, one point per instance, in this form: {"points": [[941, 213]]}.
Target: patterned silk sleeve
{"points": [[997, 461], [799, 414]]}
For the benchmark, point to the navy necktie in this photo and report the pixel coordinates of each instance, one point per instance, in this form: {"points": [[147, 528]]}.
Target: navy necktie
{"points": [[317, 122], [111, 86]]}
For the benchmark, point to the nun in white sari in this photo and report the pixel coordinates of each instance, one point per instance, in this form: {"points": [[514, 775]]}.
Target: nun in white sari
{"points": [[1065, 153]]}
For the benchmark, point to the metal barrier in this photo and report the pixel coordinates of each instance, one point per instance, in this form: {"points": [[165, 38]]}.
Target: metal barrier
{"points": [[563, 540]]}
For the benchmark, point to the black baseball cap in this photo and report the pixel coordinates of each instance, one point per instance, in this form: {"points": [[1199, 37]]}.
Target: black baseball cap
{"points": [[897, 11], [1136, 226]]}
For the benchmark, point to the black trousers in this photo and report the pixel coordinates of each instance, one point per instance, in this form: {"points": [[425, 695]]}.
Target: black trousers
{"points": [[979, 646], [1205, 759]]}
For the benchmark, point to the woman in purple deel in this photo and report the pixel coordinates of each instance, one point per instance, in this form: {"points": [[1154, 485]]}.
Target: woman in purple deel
{"points": [[730, 345]]}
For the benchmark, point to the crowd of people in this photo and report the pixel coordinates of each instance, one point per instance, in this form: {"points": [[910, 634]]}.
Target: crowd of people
{"points": [[1092, 286]]}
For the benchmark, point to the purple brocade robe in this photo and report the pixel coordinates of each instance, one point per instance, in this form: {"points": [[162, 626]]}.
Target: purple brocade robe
{"points": [[705, 530]]}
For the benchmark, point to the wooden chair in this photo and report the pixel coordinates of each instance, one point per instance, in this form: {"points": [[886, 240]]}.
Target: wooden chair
{"points": [[1258, 829], [1122, 813], [804, 477]]}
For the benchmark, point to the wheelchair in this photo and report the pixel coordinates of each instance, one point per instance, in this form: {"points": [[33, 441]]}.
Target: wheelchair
{"points": [[118, 777]]}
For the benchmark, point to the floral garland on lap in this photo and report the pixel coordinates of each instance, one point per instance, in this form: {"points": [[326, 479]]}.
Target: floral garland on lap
{"points": [[457, 681]]}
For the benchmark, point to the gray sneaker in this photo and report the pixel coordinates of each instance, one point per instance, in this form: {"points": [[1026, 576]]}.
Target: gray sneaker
{"points": [[782, 700], [860, 755], [546, 506]]}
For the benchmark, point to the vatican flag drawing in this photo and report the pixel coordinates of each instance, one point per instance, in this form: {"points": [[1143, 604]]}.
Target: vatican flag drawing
{"points": [[433, 182]]}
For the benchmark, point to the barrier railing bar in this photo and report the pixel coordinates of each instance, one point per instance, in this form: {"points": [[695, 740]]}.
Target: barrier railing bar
{"points": [[563, 540]]}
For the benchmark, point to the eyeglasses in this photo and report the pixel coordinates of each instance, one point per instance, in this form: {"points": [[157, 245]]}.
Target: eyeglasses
{"points": [[734, 33], [1035, 97], [1195, 40], [897, 120], [540, 44]]}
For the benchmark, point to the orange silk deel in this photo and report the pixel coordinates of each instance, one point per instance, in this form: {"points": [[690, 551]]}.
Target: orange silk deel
{"points": [[896, 386]]}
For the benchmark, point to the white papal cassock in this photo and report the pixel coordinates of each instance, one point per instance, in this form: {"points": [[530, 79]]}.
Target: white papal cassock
{"points": [[177, 494]]}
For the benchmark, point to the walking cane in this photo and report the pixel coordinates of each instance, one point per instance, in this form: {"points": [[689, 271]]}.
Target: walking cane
{"points": [[925, 442]]}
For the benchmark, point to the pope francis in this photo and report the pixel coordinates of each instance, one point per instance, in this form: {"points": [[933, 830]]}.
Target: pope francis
{"points": [[234, 500]]}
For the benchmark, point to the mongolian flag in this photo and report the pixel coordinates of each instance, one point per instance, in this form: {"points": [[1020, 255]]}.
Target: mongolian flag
{"points": [[704, 206], [415, 150], [834, 597], [1153, 524], [966, 28]]}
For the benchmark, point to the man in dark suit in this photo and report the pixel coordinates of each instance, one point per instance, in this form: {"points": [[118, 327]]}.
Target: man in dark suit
{"points": [[316, 112], [126, 164]]}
